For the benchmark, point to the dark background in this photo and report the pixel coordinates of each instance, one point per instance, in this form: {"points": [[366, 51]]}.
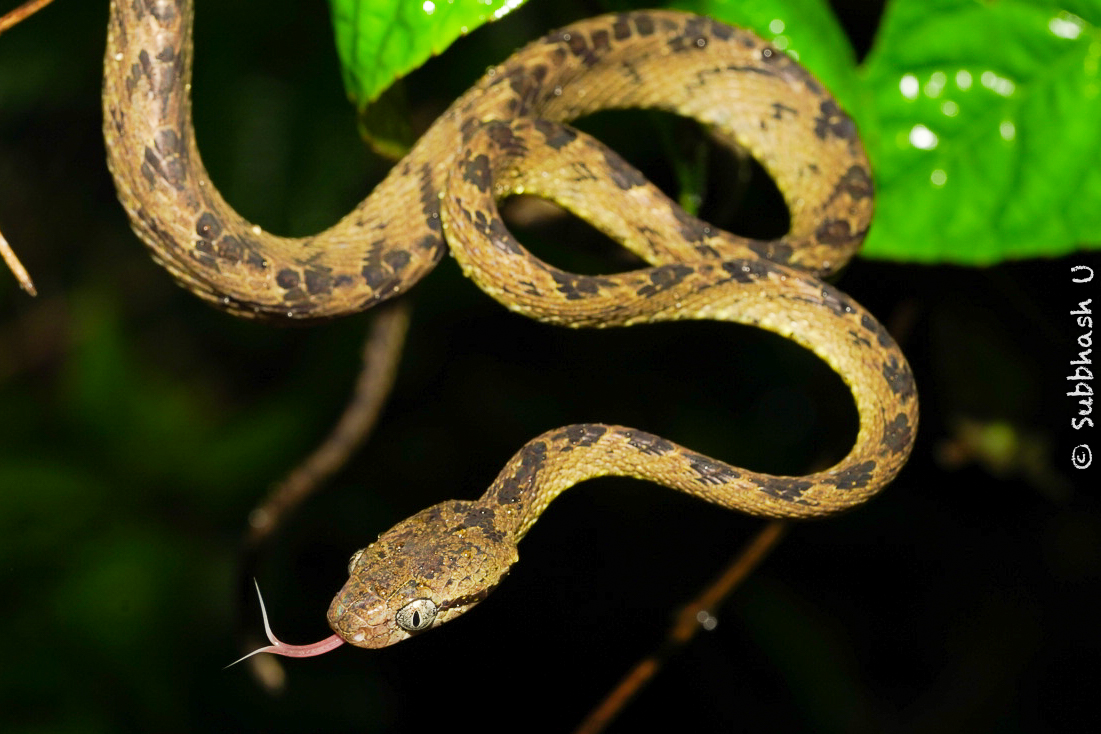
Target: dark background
{"points": [[140, 426]]}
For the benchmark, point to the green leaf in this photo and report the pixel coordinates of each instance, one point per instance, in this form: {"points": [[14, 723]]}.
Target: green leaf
{"points": [[379, 41], [805, 29], [983, 123]]}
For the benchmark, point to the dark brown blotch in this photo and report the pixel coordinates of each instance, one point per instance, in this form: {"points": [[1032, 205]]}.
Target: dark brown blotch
{"points": [[622, 173], [876, 328], [676, 44], [430, 202], [480, 220], [600, 42], [579, 47], [691, 229], [648, 443], [711, 471], [621, 29], [721, 31], [833, 121], [747, 271], [696, 28], [854, 477], [695, 33], [428, 243], [506, 139], [255, 260], [778, 251], [663, 278], [476, 172], [555, 134], [836, 301], [167, 142], [287, 278], [230, 249], [469, 126], [208, 227], [857, 182], [483, 519], [318, 281], [146, 65], [582, 435], [396, 259], [374, 275], [787, 489], [834, 232], [898, 435], [899, 377], [501, 238], [171, 171], [532, 458], [575, 287]]}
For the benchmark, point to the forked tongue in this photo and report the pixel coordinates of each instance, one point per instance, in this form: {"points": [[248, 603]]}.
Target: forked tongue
{"points": [[278, 647]]}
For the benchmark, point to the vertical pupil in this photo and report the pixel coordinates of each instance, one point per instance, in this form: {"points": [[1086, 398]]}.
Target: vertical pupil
{"points": [[416, 619]]}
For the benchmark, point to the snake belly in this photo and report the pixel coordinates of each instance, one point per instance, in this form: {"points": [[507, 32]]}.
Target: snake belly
{"points": [[507, 135]]}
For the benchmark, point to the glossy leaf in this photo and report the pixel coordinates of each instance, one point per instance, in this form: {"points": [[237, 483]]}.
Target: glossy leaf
{"points": [[379, 41], [982, 125]]}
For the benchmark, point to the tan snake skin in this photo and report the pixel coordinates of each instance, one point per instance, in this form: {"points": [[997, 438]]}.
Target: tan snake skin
{"points": [[506, 135]]}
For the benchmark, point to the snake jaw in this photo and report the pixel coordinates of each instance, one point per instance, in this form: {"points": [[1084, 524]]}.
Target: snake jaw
{"points": [[361, 619], [426, 570], [278, 647], [365, 616]]}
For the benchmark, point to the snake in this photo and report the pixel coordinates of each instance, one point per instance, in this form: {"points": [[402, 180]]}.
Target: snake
{"points": [[508, 135]]}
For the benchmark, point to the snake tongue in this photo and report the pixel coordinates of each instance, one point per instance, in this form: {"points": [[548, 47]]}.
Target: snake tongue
{"points": [[278, 647]]}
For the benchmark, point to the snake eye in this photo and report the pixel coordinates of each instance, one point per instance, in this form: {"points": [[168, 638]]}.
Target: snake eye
{"points": [[417, 615], [355, 557]]}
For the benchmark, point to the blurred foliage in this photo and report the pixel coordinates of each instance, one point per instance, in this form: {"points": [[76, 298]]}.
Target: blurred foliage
{"points": [[140, 426]]}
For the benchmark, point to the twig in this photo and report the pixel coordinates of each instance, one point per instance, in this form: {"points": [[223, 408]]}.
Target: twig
{"points": [[694, 615], [8, 20], [381, 354], [13, 263], [24, 11]]}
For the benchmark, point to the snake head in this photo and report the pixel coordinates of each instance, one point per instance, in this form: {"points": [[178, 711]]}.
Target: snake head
{"points": [[424, 571]]}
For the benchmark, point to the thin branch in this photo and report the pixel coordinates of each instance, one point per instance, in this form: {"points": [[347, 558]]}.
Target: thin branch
{"points": [[12, 261], [695, 615], [381, 354], [8, 20], [24, 11]]}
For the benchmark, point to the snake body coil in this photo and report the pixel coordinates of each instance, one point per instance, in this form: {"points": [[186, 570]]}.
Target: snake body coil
{"points": [[506, 135]]}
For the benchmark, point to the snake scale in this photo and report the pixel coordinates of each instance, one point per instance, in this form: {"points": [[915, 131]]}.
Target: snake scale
{"points": [[508, 135]]}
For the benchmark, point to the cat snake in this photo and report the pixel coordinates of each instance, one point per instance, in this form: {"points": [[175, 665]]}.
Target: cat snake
{"points": [[507, 135]]}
